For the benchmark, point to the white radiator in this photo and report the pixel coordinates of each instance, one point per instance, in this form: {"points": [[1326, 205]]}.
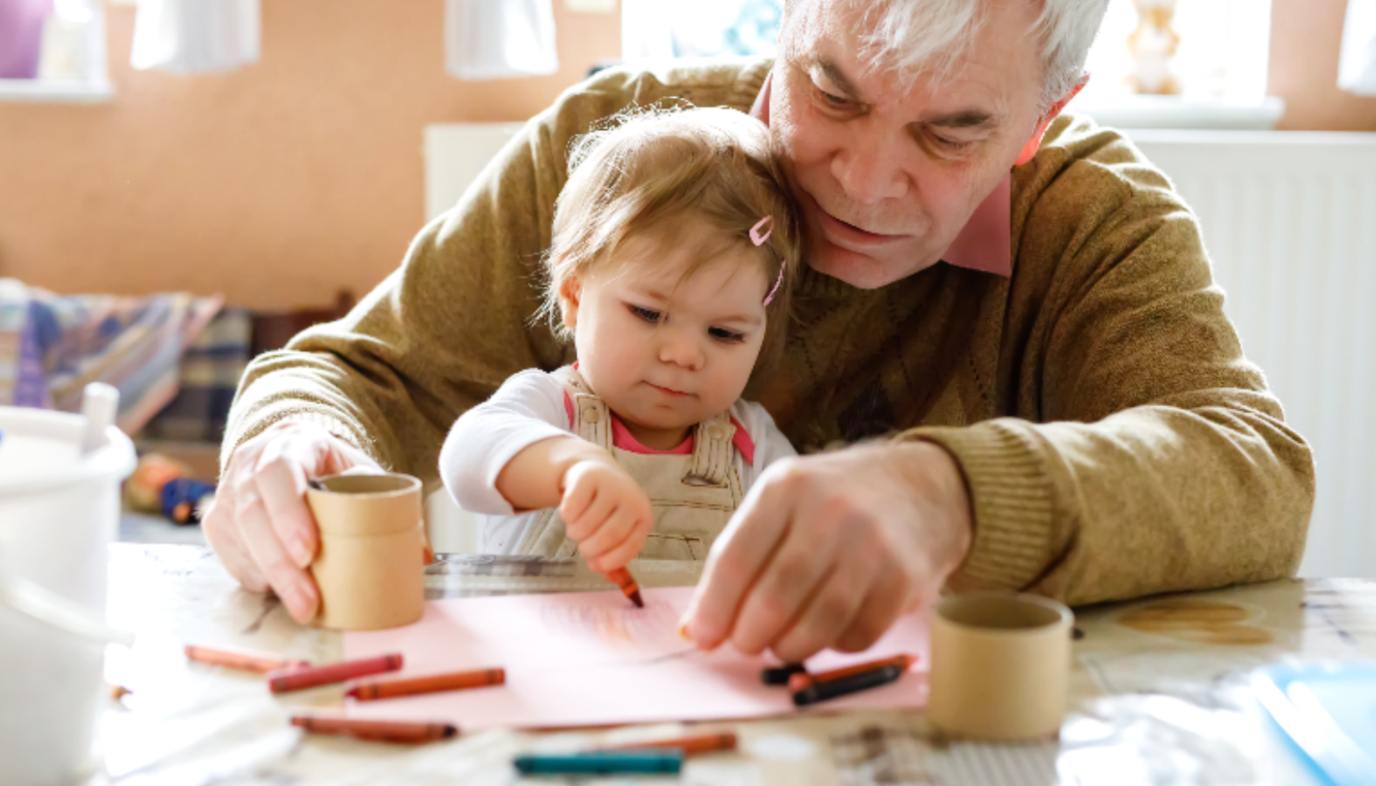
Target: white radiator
{"points": [[1289, 221]]}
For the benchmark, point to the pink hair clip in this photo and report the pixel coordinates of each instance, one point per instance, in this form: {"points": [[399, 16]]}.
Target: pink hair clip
{"points": [[759, 239]]}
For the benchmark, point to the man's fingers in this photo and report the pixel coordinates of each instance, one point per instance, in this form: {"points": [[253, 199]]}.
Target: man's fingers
{"points": [[290, 582], [829, 612], [223, 537], [281, 484], [793, 574], [735, 560], [878, 610]]}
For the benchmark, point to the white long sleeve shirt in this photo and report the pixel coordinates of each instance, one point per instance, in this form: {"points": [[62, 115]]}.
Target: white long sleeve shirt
{"points": [[533, 406]]}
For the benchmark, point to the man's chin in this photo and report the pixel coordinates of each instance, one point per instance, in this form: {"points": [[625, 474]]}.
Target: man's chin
{"points": [[859, 270]]}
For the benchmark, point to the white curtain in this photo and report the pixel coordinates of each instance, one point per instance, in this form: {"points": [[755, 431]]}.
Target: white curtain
{"points": [[1357, 63], [499, 39], [196, 36]]}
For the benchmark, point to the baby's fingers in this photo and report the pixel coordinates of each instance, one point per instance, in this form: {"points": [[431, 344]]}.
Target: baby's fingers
{"points": [[587, 523], [578, 497], [613, 532]]}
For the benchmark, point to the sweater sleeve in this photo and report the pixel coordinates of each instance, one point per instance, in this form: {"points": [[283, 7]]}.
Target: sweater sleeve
{"points": [[1149, 455], [526, 409]]}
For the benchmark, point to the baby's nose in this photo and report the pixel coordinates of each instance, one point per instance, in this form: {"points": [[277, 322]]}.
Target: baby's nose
{"points": [[681, 350]]}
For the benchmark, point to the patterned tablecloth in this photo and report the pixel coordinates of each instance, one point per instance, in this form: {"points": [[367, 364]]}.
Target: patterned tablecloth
{"points": [[1158, 692]]}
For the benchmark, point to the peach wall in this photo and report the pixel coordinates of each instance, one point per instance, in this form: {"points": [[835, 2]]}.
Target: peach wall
{"points": [[275, 184], [1306, 36]]}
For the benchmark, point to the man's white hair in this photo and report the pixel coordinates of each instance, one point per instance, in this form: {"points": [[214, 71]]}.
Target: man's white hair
{"points": [[930, 34]]}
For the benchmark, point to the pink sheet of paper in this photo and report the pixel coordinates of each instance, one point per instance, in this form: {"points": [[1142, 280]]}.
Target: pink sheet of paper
{"points": [[594, 659]]}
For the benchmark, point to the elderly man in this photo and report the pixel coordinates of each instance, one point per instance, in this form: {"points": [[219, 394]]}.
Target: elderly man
{"points": [[1015, 302]]}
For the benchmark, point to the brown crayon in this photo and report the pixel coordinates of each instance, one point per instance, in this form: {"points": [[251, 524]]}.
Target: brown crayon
{"points": [[435, 683], [802, 680], [629, 588], [704, 743], [375, 730], [240, 660], [315, 676]]}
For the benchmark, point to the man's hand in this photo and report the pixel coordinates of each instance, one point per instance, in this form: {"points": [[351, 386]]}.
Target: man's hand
{"points": [[828, 550], [605, 512], [260, 526]]}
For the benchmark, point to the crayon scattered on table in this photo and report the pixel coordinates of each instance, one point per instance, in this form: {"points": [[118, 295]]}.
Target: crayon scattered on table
{"points": [[632, 762], [435, 683], [691, 746], [315, 676], [629, 588], [797, 682], [241, 660], [844, 686], [779, 675], [376, 730]]}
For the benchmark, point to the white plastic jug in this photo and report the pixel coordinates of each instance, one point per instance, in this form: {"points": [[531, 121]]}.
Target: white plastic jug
{"points": [[59, 511]]}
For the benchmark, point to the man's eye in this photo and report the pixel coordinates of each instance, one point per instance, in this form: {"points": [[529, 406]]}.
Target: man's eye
{"points": [[726, 336], [832, 100], [646, 314], [953, 145]]}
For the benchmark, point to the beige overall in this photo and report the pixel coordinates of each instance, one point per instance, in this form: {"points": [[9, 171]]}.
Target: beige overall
{"points": [[692, 496]]}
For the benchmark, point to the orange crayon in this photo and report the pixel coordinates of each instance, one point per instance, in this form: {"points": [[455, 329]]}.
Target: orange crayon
{"points": [[241, 660], [703, 743], [435, 683], [407, 732], [802, 680], [315, 676], [629, 588]]}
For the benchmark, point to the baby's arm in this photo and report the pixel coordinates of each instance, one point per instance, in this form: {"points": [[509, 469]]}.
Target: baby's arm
{"points": [[515, 453]]}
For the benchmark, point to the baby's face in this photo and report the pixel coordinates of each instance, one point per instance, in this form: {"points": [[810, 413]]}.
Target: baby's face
{"points": [[664, 353]]}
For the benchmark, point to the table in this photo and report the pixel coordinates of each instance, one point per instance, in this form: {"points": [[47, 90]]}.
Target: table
{"points": [[1157, 683]]}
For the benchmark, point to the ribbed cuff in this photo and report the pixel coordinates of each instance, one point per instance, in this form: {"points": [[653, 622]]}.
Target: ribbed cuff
{"points": [[243, 428], [1012, 503]]}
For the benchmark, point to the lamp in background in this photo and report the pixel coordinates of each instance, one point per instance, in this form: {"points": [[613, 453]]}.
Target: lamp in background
{"points": [[196, 36], [1357, 63]]}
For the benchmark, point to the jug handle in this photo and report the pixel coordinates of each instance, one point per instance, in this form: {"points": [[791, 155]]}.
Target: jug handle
{"points": [[52, 609]]}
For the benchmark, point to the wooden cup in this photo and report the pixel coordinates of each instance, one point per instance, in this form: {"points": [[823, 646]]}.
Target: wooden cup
{"points": [[1000, 666], [371, 564]]}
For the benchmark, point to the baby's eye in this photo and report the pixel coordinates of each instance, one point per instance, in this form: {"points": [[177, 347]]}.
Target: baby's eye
{"points": [[646, 314], [726, 336]]}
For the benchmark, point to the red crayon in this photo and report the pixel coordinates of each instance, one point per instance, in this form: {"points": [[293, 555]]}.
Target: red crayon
{"points": [[300, 679], [629, 588], [435, 683], [802, 680], [240, 660], [375, 730], [704, 743]]}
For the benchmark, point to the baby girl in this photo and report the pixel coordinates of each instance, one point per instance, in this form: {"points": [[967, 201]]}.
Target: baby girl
{"points": [[669, 270]]}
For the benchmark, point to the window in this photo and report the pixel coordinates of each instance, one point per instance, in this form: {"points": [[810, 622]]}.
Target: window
{"points": [[53, 52], [655, 29]]}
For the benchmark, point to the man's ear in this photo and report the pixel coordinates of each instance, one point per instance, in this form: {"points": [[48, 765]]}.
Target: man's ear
{"points": [[570, 290], [1034, 144]]}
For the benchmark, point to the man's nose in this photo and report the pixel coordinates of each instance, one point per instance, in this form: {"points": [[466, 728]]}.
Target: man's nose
{"points": [[680, 348], [869, 171]]}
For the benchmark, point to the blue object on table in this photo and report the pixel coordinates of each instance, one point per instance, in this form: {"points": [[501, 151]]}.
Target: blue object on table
{"points": [[648, 762], [1329, 712]]}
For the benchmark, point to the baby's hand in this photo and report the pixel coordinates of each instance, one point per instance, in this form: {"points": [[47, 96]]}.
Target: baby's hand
{"points": [[605, 512]]}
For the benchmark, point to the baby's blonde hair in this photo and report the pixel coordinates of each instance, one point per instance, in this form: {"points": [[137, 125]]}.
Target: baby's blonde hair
{"points": [[648, 169]]}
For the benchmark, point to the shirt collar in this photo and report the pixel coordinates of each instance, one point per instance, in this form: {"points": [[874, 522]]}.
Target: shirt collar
{"points": [[985, 243]]}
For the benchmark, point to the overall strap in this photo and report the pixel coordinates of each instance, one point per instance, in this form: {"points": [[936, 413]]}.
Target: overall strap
{"points": [[712, 451], [592, 420]]}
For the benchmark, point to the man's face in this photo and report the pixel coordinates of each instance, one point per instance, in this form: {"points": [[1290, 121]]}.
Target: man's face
{"points": [[887, 171]]}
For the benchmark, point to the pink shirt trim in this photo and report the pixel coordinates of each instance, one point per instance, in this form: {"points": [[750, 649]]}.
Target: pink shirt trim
{"points": [[624, 439]]}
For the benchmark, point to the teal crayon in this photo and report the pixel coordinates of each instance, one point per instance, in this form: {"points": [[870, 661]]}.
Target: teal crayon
{"points": [[627, 762], [844, 686]]}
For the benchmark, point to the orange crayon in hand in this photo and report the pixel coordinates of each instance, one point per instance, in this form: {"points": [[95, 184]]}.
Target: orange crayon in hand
{"points": [[375, 730], [626, 582], [435, 683], [802, 680]]}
